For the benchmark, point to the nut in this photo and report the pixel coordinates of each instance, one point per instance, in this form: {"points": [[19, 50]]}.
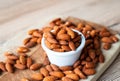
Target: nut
{"points": [[35, 66], [57, 74], [37, 76], [44, 71], [9, 67]]}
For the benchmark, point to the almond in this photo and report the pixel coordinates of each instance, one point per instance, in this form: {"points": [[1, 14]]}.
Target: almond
{"points": [[20, 66], [76, 39], [89, 41], [37, 76], [55, 67], [2, 66], [54, 46], [89, 71], [48, 34], [90, 65], [49, 68], [64, 37], [106, 40], [87, 28], [47, 29], [29, 62], [80, 73], [107, 46], [44, 71], [35, 66], [70, 32], [30, 44], [93, 33], [34, 39], [49, 78], [72, 45], [10, 61], [88, 59], [30, 32], [37, 34], [22, 49], [62, 42], [22, 59], [61, 31], [65, 48], [57, 74], [39, 40], [68, 72], [48, 44], [25, 41], [77, 63], [66, 79], [12, 57], [101, 58], [96, 43], [9, 67], [52, 40], [92, 53], [73, 76], [105, 34], [66, 68]]}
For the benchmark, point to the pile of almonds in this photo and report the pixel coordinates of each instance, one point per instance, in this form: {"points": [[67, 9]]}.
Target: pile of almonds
{"points": [[83, 67], [62, 39]]}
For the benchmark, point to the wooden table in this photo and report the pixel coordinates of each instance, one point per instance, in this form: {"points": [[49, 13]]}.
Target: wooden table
{"points": [[19, 15]]}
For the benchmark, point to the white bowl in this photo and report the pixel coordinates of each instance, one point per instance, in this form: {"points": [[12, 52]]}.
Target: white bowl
{"points": [[64, 58]]}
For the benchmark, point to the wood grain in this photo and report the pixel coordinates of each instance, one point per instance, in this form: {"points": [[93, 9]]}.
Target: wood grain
{"points": [[19, 15]]}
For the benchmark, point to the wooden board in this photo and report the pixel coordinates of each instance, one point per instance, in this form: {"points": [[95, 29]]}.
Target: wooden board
{"points": [[37, 54]]}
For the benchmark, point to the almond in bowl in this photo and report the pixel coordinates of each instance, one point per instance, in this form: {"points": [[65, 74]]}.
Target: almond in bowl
{"points": [[63, 45]]}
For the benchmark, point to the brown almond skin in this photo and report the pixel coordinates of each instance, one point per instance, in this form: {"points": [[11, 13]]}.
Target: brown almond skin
{"points": [[9, 67], [73, 76], [107, 40], [44, 71], [49, 78], [66, 79], [49, 68], [22, 59], [25, 41], [52, 40], [90, 65], [2, 66], [101, 58], [12, 57], [29, 62], [70, 32], [65, 48], [24, 79], [62, 42], [30, 44], [89, 41], [55, 67], [107, 46], [66, 68], [54, 46], [37, 76], [92, 54], [57, 74], [64, 37], [72, 45], [89, 71], [10, 61], [80, 73], [30, 32], [68, 72], [35, 66], [77, 63], [37, 34], [22, 49], [96, 43], [39, 40], [20, 66]]}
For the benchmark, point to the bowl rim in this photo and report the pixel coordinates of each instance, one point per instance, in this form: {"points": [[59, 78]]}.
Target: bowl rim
{"points": [[81, 46]]}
